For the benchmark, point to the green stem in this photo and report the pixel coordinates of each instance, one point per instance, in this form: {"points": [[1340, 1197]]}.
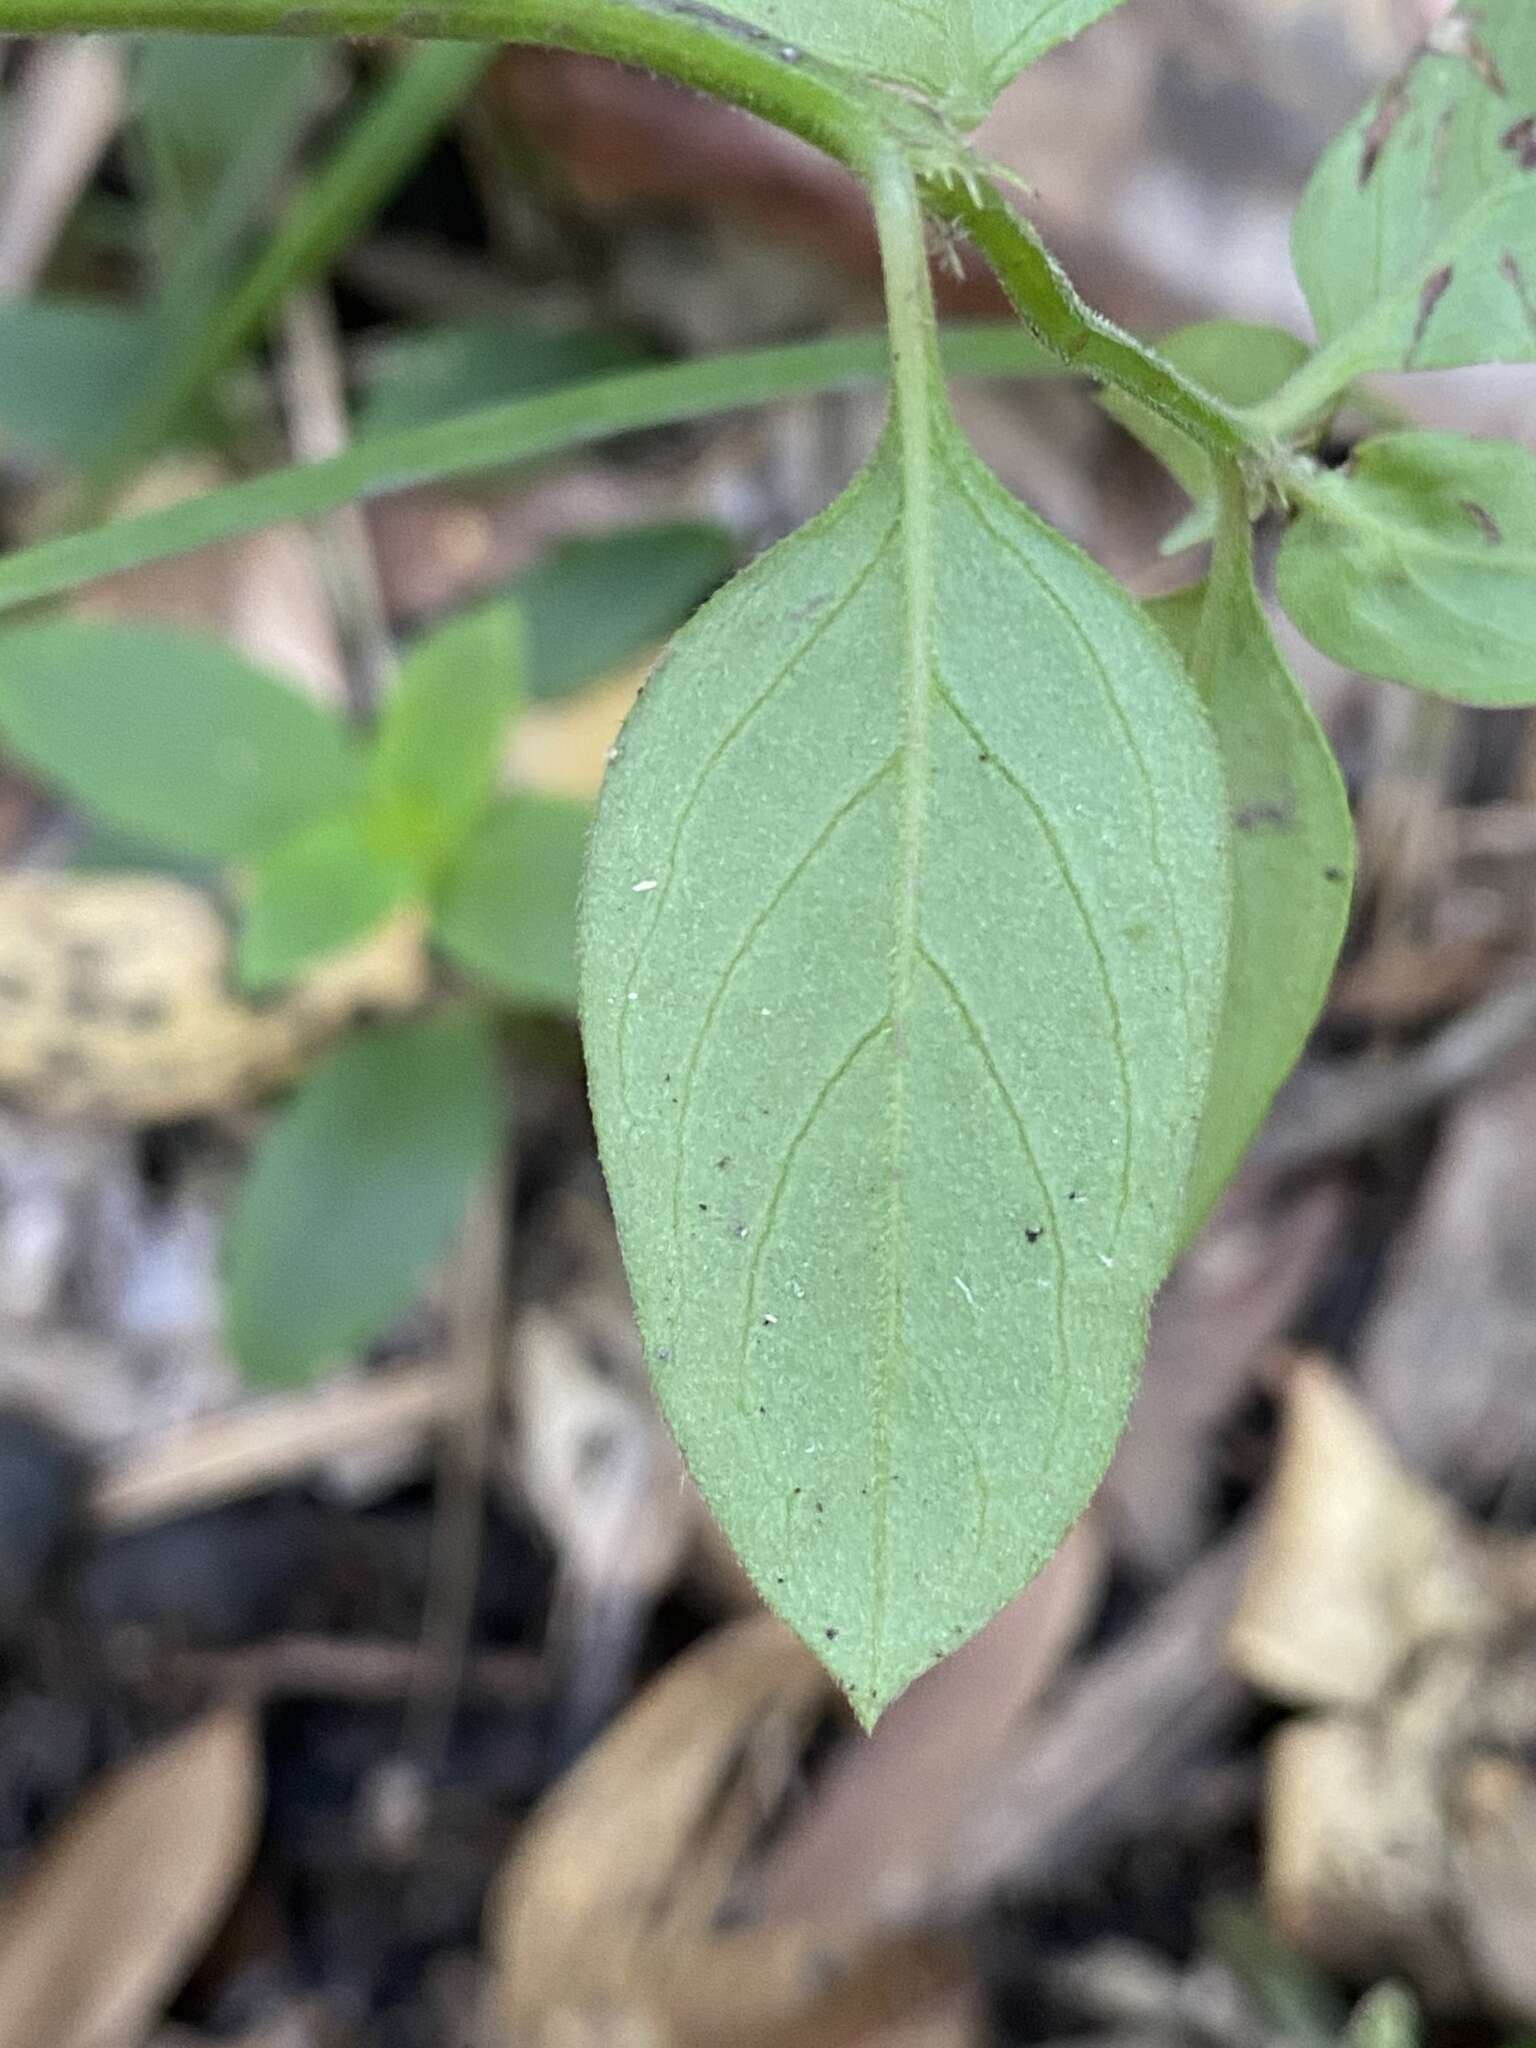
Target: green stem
{"points": [[693, 42], [491, 438], [1050, 307], [1314, 393], [1231, 570], [374, 156]]}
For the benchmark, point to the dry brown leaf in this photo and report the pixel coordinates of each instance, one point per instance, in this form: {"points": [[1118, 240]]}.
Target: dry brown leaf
{"points": [[106, 1921], [596, 1464], [265, 1443], [1358, 1563], [865, 1850], [117, 1000], [1227, 1302], [1446, 1357], [1401, 1822], [1356, 1858], [604, 1923], [1495, 1877]]}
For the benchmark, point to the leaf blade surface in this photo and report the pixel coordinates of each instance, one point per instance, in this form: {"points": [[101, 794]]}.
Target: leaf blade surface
{"points": [[1417, 232], [899, 991], [1419, 564]]}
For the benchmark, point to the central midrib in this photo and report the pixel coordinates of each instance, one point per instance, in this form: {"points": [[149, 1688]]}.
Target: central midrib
{"points": [[914, 424]]}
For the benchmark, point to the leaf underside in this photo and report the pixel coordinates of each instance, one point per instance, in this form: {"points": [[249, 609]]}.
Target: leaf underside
{"points": [[959, 52], [1419, 564], [901, 972], [1420, 221], [1293, 864]]}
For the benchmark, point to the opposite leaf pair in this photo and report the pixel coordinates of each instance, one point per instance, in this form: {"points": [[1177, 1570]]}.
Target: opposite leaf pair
{"points": [[180, 743], [361, 1180]]}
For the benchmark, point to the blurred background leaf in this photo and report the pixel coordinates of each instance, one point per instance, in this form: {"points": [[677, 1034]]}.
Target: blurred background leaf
{"points": [[356, 1191], [592, 604], [172, 737], [507, 909]]}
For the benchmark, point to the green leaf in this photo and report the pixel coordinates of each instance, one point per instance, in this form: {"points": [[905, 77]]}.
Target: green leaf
{"points": [[591, 604], [322, 891], [1241, 363], [1419, 564], [506, 912], [1416, 239], [495, 438], [322, 215], [172, 737], [420, 375], [902, 952], [356, 1191], [1293, 855], [69, 370], [1388, 2016], [213, 168], [960, 52], [195, 92], [439, 741]]}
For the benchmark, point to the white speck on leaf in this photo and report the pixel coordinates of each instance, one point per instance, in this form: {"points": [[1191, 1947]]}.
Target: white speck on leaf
{"points": [[965, 1290], [640, 888]]}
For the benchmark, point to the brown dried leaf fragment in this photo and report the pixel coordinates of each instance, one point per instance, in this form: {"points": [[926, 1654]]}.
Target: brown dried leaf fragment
{"points": [[107, 1920]]}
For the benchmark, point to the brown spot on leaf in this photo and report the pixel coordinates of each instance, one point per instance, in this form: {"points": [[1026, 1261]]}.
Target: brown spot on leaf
{"points": [[1520, 141], [1436, 285], [1392, 107], [1484, 521], [1274, 814], [1514, 277]]}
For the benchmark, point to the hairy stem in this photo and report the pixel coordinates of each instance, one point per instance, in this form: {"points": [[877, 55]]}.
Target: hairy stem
{"points": [[701, 46]]}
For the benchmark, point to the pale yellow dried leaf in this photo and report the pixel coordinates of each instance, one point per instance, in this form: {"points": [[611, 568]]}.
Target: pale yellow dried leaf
{"points": [[117, 1000], [1357, 1563], [563, 747], [605, 1924], [105, 1923]]}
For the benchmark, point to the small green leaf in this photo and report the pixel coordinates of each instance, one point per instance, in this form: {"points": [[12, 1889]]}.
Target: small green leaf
{"points": [[960, 52], [1388, 2016], [356, 1191], [506, 912], [438, 747], [1416, 239], [1419, 564], [195, 94], [1293, 855], [322, 891], [419, 375], [591, 604], [172, 737], [1241, 363], [903, 947], [69, 371]]}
